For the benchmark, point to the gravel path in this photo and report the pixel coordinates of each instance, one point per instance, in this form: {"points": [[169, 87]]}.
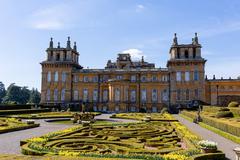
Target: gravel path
{"points": [[224, 144], [9, 142]]}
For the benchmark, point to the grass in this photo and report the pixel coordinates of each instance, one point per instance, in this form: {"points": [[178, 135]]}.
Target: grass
{"points": [[71, 122], [215, 130]]}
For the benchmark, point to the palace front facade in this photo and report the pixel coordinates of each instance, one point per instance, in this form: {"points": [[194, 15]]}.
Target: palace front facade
{"points": [[128, 86]]}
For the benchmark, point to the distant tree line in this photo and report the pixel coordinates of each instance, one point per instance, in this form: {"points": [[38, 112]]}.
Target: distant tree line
{"points": [[18, 95]]}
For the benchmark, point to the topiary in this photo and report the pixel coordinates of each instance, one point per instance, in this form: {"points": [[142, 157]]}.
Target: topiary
{"points": [[233, 104], [224, 109], [224, 114]]}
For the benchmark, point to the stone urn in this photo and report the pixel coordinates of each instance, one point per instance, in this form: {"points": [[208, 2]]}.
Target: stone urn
{"points": [[209, 150], [237, 151]]}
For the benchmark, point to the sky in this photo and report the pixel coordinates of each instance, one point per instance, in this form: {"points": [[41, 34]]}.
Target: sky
{"points": [[104, 28]]}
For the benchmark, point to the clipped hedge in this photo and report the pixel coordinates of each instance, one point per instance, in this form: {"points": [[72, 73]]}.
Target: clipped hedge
{"points": [[224, 109], [224, 114], [14, 106], [233, 104], [19, 128], [217, 123], [210, 156], [23, 111], [214, 109]]}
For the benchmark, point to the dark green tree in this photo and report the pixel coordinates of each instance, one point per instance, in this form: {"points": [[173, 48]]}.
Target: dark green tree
{"points": [[2, 91], [35, 96]]}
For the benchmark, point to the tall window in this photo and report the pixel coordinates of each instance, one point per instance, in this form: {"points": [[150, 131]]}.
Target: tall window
{"points": [[187, 95], [119, 77], [154, 78], [144, 95], [85, 79], [164, 95], [178, 94], [133, 78], [196, 76], [49, 76], [64, 76], [178, 76], [75, 78], [75, 95], [105, 95], [126, 94], [186, 54], [85, 95], [154, 95], [194, 52], [187, 76], [95, 79], [55, 95], [117, 95], [95, 95], [144, 78], [48, 95], [56, 76], [133, 96], [63, 95]]}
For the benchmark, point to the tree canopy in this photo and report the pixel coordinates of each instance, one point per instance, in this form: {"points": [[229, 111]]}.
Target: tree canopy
{"points": [[2, 91]]}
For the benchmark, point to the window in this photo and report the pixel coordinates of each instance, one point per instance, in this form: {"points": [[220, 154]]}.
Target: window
{"points": [[48, 95], [154, 78], [126, 94], [178, 94], [117, 95], [63, 95], [178, 55], [187, 76], [75, 95], [55, 95], [49, 76], [144, 95], [85, 95], [194, 52], [144, 78], [133, 96], [165, 95], [64, 76], [187, 95], [164, 78], [75, 78], [105, 95], [56, 76], [196, 77], [133, 109], [95, 95], [58, 57], [154, 108], [178, 78], [196, 93], [119, 77], [85, 79], [154, 95], [133, 78], [95, 79], [186, 54]]}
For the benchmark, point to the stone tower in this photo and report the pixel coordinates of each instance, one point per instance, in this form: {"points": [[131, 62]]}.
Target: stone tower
{"points": [[186, 70], [57, 73]]}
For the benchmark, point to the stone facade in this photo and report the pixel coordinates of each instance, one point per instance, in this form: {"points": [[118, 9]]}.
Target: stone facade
{"points": [[126, 85]]}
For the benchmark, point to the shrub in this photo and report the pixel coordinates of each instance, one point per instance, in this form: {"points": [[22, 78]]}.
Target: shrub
{"points": [[224, 114], [224, 109], [233, 104]]}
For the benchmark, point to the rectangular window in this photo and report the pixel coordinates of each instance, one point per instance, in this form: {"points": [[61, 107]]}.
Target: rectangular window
{"points": [[154, 95], [95, 95], [133, 95], [75, 95], [196, 76], [178, 76], [133, 78], [196, 93], [187, 95], [105, 95], [56, 77], [144, 95], [144, 78], [154, 78], [117, 94], [49, 76], [126, 94], [164, 95], [75, 78], [85, 95], [178, 94], [187, 76], [119, 77], [85, 79], [95, 79], [64, 76]]}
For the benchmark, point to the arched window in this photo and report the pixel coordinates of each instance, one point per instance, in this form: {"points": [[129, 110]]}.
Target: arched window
{"points": [[186, 54], [56, 76], [49, 76], [187, 95], [64, 76], [48, 95], [63, 95], [55, 95], [154, 95], [75, 95]]}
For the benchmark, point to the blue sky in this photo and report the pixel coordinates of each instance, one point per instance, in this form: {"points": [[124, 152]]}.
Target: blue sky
{"points": [[103, 28]]}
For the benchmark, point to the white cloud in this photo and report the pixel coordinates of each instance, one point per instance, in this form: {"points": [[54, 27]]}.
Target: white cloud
{"points": [[136, 54], [52, 18], [140, 8]]}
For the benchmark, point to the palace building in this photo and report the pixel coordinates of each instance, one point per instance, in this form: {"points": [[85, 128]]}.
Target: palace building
{"points": [[125, 85]]}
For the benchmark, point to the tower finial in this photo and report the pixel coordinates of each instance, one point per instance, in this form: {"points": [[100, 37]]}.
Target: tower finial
{"points": [[68, 43], [175, 42], [195, 39], [51, 43], [142, 59], [75, 46], [58, 44]]}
